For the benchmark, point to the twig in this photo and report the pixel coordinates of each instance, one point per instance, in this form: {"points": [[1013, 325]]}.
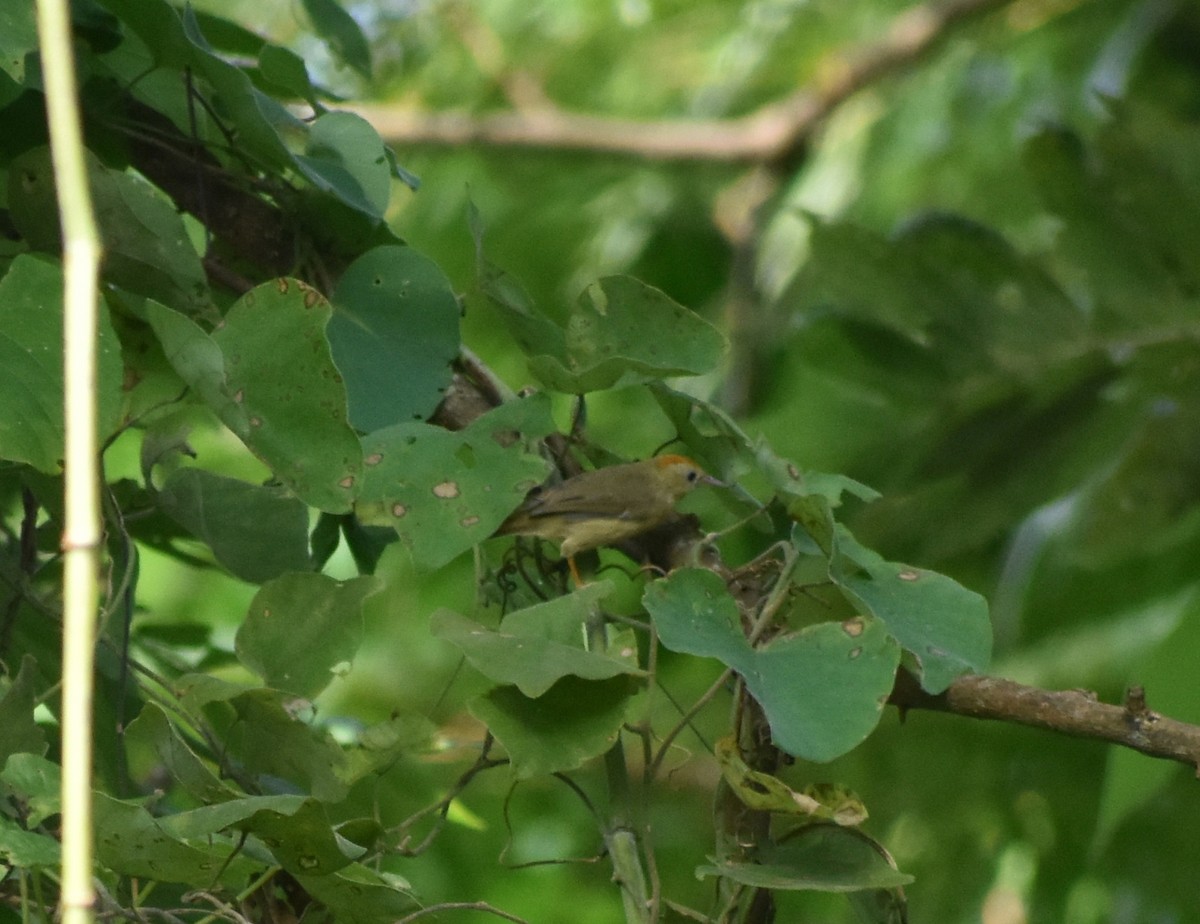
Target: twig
{"points": [[685, 720], [1069, 712], [399, 835], [461, 906]]}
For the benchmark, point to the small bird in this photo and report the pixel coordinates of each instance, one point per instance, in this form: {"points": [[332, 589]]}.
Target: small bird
{"points": [[606, 506]]}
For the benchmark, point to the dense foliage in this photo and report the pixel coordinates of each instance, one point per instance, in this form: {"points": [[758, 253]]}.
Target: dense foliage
{"points": [[324, 691]]}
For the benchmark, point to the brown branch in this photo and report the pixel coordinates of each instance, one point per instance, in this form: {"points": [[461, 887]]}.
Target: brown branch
{"points": [[772, 134], [249, 226], [1068, 712]]}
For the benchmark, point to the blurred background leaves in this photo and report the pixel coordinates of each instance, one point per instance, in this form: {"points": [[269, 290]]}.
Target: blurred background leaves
{"points": [[973, 288]]}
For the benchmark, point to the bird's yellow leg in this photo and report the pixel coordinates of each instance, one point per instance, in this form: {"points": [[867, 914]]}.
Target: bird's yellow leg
{"points": [[574, 571]]}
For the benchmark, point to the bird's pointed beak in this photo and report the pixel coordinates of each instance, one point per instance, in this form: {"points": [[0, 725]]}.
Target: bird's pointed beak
{"points": [[715, 482]]}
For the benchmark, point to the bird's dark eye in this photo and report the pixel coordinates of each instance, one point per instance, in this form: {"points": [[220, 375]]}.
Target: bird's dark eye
{"points": [[692, 474]]}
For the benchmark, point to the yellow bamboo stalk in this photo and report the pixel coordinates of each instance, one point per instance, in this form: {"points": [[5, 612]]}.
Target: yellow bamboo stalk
{"points": [[81, 531]]}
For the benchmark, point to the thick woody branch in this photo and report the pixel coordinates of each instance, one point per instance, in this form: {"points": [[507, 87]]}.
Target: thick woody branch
{"points": [[1069, 712], [772, 135]]}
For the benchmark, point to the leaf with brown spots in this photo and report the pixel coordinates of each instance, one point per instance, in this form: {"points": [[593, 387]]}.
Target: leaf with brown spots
{"points": [[268, 374], [444, 492]]}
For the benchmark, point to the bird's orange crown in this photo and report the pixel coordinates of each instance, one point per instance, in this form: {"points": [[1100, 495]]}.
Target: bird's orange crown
{"points": [[664, 461]]}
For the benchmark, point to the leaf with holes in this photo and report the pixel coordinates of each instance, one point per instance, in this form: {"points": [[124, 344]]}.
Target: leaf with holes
{"points": [[445, 492], [943, 627], [268, 374]]}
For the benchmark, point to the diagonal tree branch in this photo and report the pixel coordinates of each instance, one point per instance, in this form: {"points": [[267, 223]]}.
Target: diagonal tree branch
{"points": [[774, 134]]}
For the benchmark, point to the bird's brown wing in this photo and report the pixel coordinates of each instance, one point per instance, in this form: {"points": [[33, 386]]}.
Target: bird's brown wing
{"points": [[585, 496]]}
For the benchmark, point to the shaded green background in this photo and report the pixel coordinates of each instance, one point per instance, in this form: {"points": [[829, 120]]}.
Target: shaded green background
{"points": [[977, 293]]}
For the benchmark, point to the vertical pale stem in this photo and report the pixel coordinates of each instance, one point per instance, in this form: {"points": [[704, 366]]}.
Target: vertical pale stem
{"points": [[81, 533], [624, 852]]}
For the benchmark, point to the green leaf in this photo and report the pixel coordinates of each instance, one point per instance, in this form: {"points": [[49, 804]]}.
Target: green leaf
{"points": [[196, 358], [809, 497], [18, 731], [716, 440], [31, 346], [953, 288], [301, 627], [285, 70], [233, 813], [295, 829], [444, 492], [573, 722], [534, 332], [815, 516], [711, 435], [820, 857], [1135, 284], [199, 690], [159, 27], [264, 126], [228, 36], [341, 33], [153, 731], [393, 334], [95, 25], [146, 246], [1150, 167], [270, 740], [822, 689], [268, 374], [38, 783], [1155, 470], [624, 332], [989, 300], [267, 133], [694, 614], [940, 623], [859, 274], [362, 895], [304, 841], [27, 849], [538, 646], [131, 842], [345, 156], [281, 375], [261, 731], [10, 91], [18, 38], [256, 532]]}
